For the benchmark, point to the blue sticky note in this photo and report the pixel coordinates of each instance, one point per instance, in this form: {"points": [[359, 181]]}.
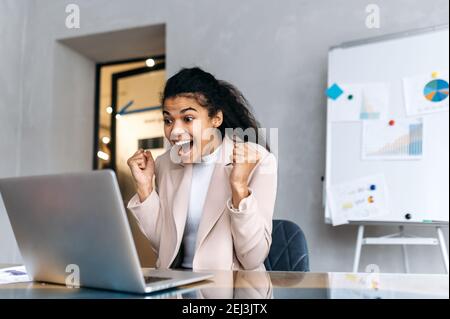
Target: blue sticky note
{"points": [[334, 91]]}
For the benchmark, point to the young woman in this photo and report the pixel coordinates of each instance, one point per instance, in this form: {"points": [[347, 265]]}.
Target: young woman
{"points": [[212, 201]]}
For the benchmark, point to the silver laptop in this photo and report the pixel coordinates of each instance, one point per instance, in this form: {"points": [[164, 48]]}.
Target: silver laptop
{"points": [[73, 228]]}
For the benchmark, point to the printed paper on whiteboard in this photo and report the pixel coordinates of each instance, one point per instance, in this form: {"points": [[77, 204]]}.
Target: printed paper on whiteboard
{"points": [[347, 107], [426, 93], [401, 139], [360, 102], [375, 101], [360, 199]]}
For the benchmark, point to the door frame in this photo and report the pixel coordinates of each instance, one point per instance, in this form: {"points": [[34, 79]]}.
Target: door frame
{"points": [[98, 68]]}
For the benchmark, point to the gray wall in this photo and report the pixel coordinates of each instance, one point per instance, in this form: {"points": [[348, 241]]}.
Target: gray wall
{"points": [[274, 51], [13, 25]]}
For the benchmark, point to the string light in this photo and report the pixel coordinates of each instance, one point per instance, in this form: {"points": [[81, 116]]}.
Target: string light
{"points": [[106, 140], [103, 155], [150, 62]]}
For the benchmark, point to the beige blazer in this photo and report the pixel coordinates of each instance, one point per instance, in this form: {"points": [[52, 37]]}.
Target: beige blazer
{"points": [[226, 238]]}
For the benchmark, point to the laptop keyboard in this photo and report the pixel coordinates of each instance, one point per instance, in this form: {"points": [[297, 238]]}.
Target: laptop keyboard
{"points": [[151, 279]]}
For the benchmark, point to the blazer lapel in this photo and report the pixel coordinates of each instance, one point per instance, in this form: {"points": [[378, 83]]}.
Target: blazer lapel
{"points": [[181, 178], [218, 193]]}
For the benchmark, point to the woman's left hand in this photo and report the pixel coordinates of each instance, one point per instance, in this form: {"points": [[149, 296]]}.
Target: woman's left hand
{"points": [[244, 158]]}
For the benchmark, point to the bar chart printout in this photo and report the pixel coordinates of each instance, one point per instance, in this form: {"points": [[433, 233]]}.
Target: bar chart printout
{"points": [[401, 140]]}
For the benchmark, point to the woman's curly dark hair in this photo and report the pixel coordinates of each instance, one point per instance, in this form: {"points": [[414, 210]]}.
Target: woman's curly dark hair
{"points": [[216, 95]]}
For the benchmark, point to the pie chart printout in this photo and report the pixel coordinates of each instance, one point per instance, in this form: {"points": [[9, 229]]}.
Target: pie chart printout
{"points": [[436, 90]]}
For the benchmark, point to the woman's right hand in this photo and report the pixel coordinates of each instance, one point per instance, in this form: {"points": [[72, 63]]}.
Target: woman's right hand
{"points": [[142, 166]]}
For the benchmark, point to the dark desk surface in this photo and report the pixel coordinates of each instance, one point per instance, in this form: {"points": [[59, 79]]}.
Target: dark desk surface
{"points": [[261, 285]]}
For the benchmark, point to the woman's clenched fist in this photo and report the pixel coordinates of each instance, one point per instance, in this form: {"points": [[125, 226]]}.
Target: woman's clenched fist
{"points": [[142, 166]]}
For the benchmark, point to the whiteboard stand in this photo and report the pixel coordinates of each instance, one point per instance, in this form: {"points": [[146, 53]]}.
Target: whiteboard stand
{"points": [[400, 239]]}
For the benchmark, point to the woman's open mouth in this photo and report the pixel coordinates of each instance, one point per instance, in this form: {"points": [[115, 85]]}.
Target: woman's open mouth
{"points": [[185, 147]]}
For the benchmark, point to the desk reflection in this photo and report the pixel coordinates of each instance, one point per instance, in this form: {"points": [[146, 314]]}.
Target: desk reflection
{"points": [[262, 285], [235, 285]]}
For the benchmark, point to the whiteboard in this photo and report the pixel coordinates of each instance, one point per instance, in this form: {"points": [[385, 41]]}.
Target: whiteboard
{"points": [[416, 187]]}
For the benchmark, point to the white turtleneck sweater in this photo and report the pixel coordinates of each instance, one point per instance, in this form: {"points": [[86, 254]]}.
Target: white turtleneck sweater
{"points": [[201, 178]]}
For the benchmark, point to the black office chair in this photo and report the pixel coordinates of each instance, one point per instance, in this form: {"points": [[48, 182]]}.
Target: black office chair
{"points": [[289, 251]]}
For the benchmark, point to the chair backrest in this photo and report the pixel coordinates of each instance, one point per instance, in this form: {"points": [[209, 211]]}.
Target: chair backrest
{"points": [[289, 251]]}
